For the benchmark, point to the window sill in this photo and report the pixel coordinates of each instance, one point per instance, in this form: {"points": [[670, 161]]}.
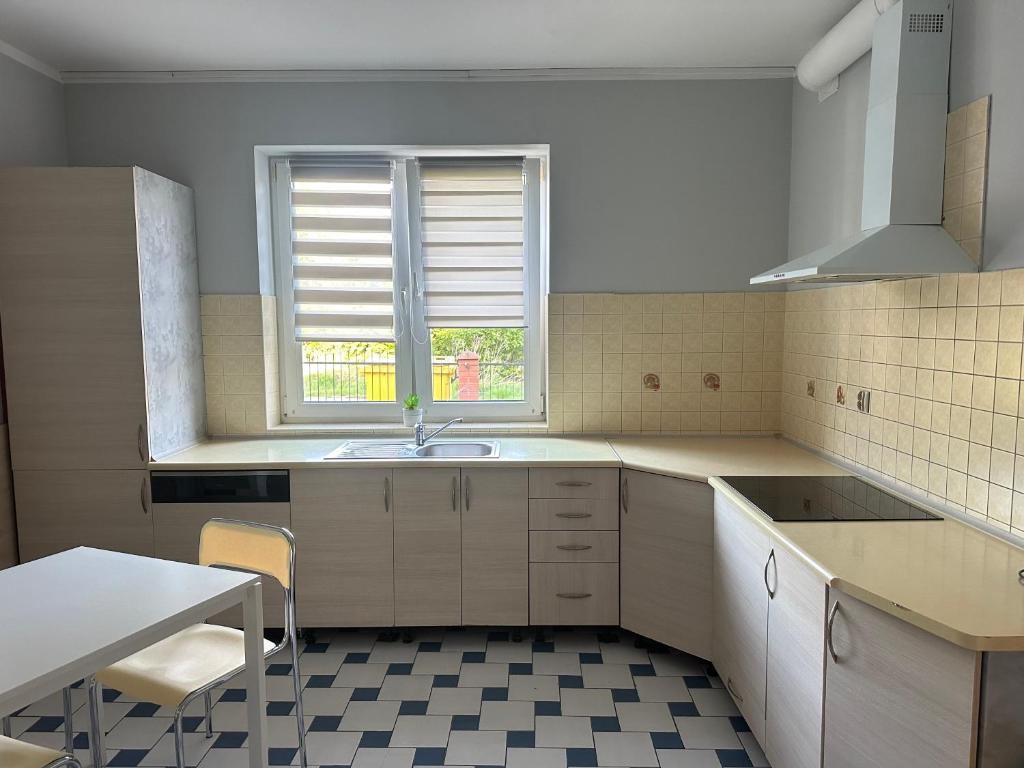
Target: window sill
{"points": [[391, 428]]}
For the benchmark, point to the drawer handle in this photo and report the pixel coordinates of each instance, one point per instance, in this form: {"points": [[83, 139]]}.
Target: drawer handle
{"points": [[828, 635], [573, 515], [455, 495], [573, 547], [573, 483], [141, 438], [143, 494], [732, 690], [769, 561], [573, 595]]}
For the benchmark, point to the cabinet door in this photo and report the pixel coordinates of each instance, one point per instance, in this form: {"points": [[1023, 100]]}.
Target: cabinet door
{"points": [[740, 601], [72, 322], [428, 547], [796, 661], [896, 695], [106, 509], [667, 538], [176, 529], [495, 547], [344, 539]]}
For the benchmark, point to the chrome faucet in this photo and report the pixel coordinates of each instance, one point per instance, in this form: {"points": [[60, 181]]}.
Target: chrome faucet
{"points": [[422, 436]]}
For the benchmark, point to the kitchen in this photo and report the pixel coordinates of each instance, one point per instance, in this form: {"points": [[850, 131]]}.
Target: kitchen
{"points": [[251, 281]]}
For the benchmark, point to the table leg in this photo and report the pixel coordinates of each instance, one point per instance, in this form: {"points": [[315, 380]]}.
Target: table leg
{"points": [[96, 734], [255, 681]]}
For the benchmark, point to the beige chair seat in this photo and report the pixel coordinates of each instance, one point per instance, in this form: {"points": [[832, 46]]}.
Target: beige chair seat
{"points": [[168, 671], [19, 754]]}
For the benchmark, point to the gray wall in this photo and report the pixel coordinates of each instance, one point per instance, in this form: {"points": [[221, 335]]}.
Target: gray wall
{"points": [[828, 138], [655, 186], [31, 117]]}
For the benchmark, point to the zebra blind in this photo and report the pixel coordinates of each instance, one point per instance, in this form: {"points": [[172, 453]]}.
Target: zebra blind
{"points": [[471, 239], [342, 257]]}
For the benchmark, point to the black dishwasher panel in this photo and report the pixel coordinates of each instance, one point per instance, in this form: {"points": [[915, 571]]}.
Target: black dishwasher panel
{"points": [[220, 487]]}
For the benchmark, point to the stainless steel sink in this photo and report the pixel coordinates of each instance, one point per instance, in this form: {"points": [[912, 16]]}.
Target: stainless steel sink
{"points": [[384, 449], [482, 450]]}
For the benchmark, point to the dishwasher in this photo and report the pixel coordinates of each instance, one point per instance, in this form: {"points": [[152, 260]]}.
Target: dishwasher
{"points": [[184, 501]]}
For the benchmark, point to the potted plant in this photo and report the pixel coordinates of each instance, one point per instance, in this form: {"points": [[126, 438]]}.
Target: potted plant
{"points": [[412, 414]]}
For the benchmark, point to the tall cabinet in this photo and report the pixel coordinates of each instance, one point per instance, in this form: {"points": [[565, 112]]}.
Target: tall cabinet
{"points": [[99, 302]]}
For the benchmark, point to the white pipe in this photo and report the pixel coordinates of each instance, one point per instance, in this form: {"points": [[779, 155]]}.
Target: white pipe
{"points": [[842, 45]]}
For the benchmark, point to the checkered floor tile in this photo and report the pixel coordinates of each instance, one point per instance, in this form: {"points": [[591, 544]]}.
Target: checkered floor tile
{"points": [[454, 698]]}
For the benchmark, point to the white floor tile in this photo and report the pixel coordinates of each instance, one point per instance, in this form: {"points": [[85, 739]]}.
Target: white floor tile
{"points": [[607, 676], [688, 758], [361, 675], [475, 748], [628, 750], [406, 688], [226, 758], [556, 664], [564, 732], [623, 653], [509, 652], [326, 748], [319, 663], [391, 757], [394, 653], [644, 717], [440, 663], [532, 688], [484, 675], [454, 701], [421, 731], [661, 689], [535, 758], [713, 701], [506, 716], [370, 716], [588, 702], [137, 732], [162, 755], [707, 733], [315, 701]]}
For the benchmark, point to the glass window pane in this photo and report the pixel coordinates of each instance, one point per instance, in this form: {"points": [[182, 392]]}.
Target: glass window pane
{"points": [[348, 371], [478, 364]]}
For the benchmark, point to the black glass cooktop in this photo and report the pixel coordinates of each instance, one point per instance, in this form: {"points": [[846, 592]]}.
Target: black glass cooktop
{"points": [[826, 499]]}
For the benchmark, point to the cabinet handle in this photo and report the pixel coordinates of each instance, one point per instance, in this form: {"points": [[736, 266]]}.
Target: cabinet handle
{"points": [[573, 515], [142, 496], [625, 494], [828, 635], [455, 495], [466, 491], [771, 557], [573, 595], [732, 690], [387, 494], [141, 437], [573, 547], [573, 483]]}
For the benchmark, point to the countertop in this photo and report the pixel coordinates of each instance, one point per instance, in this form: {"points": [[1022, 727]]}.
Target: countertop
{"points": [[305, 452], [948, 578]]}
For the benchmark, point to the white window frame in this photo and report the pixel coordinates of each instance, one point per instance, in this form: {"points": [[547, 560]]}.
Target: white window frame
{"points": [[413, 358]]}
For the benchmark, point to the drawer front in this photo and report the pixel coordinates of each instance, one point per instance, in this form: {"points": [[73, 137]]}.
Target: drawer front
{"points": [[574, 483], [574, 593], [574, 547], [574, 514]]}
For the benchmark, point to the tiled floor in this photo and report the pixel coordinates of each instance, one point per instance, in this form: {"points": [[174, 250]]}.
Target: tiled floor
{"points": [[454, 698]]}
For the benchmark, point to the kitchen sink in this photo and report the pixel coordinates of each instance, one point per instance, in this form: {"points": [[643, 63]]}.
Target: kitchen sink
{"points": [[384, 449], [486, 450]]}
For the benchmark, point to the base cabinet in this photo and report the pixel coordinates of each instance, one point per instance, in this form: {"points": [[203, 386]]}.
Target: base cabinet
{"points": [[343, 521], [495, 547], [895, 694], [428, 547], [667, 534], [106, 509]]}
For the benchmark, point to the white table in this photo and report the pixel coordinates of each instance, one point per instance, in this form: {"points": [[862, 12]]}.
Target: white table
{"points": [[67, 616]]}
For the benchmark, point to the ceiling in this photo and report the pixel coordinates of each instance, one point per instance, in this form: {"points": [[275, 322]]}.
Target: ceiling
{"points": [[160, 35]]}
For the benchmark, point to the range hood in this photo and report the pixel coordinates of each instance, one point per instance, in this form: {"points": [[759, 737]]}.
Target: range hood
{"points": [[901, 211]]}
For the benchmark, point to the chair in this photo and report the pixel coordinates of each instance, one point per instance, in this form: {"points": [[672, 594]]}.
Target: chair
{"points": [[69, 728], [19, 754], [180, 668]]}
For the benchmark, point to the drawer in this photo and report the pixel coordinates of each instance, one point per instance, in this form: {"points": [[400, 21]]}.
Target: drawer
{"points": [[574, 593], [574, 547], [574, 483], [574, 514]]}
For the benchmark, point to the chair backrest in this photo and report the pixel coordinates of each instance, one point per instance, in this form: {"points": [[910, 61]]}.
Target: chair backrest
{"points": [[257, 547]]}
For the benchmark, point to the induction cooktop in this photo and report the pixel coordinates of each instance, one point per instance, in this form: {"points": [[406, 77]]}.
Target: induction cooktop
{"points": [[825, 499]]}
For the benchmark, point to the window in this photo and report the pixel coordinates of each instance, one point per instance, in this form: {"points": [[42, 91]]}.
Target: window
{"points": [[400, 273]]}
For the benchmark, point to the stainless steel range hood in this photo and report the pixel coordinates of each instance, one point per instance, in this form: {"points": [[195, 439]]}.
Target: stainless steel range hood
{"points": [[904, 154]]}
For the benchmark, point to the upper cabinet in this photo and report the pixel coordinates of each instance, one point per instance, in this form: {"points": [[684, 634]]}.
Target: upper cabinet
{"points": [[99, 307], [667, 540]]}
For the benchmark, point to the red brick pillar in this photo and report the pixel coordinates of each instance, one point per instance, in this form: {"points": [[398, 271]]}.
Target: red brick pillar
{"points": [[469, 375]]}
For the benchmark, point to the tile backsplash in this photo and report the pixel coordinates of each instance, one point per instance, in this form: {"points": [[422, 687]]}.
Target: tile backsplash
{"points": [[941, 357]]}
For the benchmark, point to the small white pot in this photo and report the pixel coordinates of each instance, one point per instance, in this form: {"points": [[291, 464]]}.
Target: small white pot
{"points": [[412, 416]]}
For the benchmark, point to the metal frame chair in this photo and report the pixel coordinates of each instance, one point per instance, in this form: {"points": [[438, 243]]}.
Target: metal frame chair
{"points": [[69, 726], [289, 639], [13, 746]]}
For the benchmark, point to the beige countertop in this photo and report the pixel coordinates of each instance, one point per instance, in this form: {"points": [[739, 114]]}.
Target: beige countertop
{"points": [[306, 452], [698, 458], [946, 577]]}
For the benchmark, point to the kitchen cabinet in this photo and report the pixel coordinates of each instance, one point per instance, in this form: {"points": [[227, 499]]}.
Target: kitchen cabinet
{"points": [[740, 612], [796, 660], [495, 547], [176, 529], [99, 288], [896, 695], [107, 509], [667, 534], [343, 521], [574, 594], [428, 547]]}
